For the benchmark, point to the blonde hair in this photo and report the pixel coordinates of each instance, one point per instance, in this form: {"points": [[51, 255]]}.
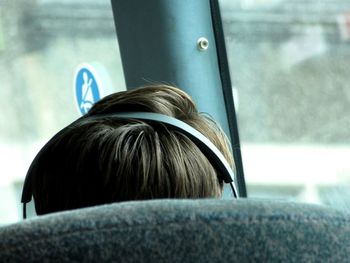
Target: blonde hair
{"points": [[105, 160]]}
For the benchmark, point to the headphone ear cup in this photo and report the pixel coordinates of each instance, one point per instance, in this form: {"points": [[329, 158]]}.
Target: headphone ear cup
{"points": [[25, 210]]}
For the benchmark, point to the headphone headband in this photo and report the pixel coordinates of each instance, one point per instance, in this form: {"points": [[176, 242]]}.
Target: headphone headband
{"points": [[203, 143], [214, 156]]}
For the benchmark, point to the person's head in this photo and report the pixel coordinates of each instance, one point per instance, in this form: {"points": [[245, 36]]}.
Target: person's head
{"points": [[105, 160]]}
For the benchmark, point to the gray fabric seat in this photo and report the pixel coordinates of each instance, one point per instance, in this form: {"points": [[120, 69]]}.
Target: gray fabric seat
{"points": [[182, 231]]}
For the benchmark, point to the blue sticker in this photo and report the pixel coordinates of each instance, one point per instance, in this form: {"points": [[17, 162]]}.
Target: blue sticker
{"points": [[86, 88]]}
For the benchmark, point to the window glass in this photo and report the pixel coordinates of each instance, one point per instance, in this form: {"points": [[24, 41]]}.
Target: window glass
{"points": [[41, 44], [290, 62]]}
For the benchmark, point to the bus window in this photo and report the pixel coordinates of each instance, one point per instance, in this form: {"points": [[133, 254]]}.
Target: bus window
{"points": [[41, 45], [290, 65]]}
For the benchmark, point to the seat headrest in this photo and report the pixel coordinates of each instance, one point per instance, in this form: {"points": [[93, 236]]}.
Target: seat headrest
{"points": [[182, 231]]}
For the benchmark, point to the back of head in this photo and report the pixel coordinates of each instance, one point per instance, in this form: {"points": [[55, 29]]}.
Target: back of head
{"points": [[103, 160]]}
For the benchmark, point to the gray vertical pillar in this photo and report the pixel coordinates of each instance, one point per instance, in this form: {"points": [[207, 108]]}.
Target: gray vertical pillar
{"points": [[158, 41]]}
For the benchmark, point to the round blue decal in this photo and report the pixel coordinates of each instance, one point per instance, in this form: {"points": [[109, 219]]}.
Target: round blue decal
{"points": [[86, 88]]}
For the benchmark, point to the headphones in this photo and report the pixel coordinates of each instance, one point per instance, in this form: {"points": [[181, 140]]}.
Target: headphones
{"points": [[212, 153]]}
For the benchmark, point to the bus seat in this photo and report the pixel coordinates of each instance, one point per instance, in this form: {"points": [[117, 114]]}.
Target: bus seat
{"points": [[208, 230]]}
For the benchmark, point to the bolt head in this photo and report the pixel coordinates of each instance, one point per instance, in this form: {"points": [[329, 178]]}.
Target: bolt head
{"points": [[203, 43]]}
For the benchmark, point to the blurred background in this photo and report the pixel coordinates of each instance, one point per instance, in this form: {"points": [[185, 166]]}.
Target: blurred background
{"points": [[290, 68]]}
